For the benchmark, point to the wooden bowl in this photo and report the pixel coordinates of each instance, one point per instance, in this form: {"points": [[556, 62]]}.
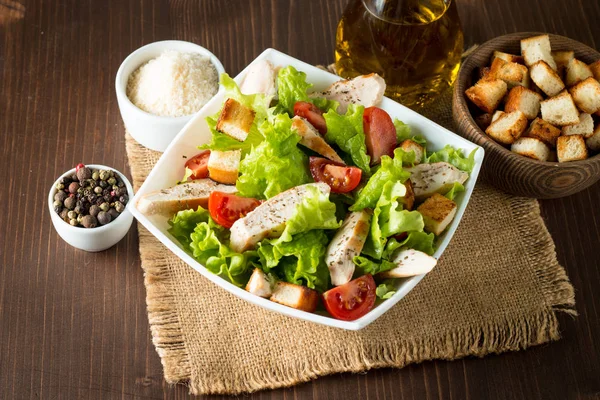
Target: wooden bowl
{"points": [[507, 170]]}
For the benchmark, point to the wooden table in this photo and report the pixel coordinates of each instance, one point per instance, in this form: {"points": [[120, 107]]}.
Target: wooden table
{"points": [[73, 324]]}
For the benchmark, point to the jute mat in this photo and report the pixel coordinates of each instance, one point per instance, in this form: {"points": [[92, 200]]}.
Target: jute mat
{"points": [[497, 288]]}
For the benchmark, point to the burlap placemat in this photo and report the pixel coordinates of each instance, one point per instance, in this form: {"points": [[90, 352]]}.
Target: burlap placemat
{"points": [[497, 288]]}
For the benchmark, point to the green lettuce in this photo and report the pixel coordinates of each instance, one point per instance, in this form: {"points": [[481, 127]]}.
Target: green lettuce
{"points": [[276, 164], [346, 131], [415, 240], [456, 189], [403, 132], [389, 171], [455, 157], [291, 87], [386, 289], [184, 222], [366, 265]]}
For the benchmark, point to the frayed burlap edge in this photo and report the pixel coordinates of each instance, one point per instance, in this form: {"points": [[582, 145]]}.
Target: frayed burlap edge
{"points": [[493, 337]]}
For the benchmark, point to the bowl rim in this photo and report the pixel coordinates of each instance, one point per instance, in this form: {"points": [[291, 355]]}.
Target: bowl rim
{"points": [[54, 190], [484, 140], [122, 91]]}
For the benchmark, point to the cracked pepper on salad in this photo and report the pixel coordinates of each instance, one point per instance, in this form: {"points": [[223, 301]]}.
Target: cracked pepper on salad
{"points": [[303, 197]]}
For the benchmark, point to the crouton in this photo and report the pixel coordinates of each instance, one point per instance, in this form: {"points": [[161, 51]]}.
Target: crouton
{"points": [[586, 95], [571, 148], [546, 78], [259, 284], [585, 127], [508, 127], [512, 73], [235, 120], [295, 296], [409, 198], [593, 142], [562, 59], [536, 49], [410, 145], [497, 115], [542, 130], [508, 57], [223, 166], [577, 71], [560, 110], [531, 148], [483, 72], [525, 100], [437, 211], [409, 262], [595, 68], [487, 94], [483, 120]]}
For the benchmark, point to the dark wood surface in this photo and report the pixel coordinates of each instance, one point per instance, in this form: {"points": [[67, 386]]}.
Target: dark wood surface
{"points": [[73, 324]]}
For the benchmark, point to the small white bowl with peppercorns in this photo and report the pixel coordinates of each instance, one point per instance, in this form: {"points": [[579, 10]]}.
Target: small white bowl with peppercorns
{"points": [[89, 207]]}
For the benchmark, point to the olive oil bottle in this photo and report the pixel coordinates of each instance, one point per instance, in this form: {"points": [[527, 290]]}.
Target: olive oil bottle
{"points": [[415, 45]]}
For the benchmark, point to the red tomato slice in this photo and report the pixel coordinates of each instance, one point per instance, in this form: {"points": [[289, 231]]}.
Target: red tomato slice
{"points": [[351, 300], [340, 178], [199, 165], [227, 208], [312, 114], [380, 134]]}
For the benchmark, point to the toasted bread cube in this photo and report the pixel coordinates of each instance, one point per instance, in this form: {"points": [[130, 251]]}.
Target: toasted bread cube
{"points": [[512, 73], [235, 120], [560, 110], [595, 68], [437, 211], [483, 120], [508, 57], [259, 284], [223, 166], [482, 73], [525, 100], [577, 71], [508, 127], [410, 145], [409, 198], [295, 296], [531, 148], [585, 127], [562, 59], [536, 49], [487, 94], [571, 148], [542, 130], [593, 142], [546, 78], [497, 115], [586, 95]]}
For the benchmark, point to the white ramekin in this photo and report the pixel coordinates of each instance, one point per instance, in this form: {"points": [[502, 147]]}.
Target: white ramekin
{"points": [[98, 238], [153, 131]]}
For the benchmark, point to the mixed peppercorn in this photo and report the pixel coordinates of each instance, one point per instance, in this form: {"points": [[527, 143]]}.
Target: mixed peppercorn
{"points": [[90, 197]]}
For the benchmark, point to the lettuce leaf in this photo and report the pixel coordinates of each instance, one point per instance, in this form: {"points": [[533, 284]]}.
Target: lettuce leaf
{"points": [[402, 130], [386, 289], [276, 164], [389, 171], [366, 265], [455, 157], [300, 261], [325, 104], [291, 87], [184, 222], [456, 189], [346, 131], [415, 240]]}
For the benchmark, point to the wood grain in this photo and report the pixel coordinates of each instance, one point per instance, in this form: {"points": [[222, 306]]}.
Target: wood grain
{"points": [[73, 325]]}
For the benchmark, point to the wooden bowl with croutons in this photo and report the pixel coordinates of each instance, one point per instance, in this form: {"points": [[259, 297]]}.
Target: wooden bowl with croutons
{"points": [[518, 140]]}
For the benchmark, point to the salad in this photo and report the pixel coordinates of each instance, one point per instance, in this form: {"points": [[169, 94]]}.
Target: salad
{"points": [[309, 197]]}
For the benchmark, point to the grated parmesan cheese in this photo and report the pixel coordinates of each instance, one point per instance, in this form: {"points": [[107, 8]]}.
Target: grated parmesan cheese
{"points": [[174, 84]]}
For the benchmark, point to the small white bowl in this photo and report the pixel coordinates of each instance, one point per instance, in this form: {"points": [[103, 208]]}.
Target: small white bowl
{"points": [[98, 238], [153, 131]]}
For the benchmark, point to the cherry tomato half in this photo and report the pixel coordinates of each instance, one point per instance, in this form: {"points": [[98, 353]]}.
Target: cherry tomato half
{"points": [[312, 114], [380, 134], [340, 178], [227, 208], [199, 165], [351, 300]]}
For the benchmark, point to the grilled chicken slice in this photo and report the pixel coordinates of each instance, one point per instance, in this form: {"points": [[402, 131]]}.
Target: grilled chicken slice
{"points": [[366, 90], [296, 296], [438, 177], [311, 138], [410, 263], [345, 245], [260, 78], [269, 219], [181, 197], [259, 284]]}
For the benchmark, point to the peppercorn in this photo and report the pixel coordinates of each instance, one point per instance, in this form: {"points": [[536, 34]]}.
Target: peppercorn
{"points": [[94, 210], [113, 213], [120, 184], [104, 175], [74, 187], [89, 221], [72, 214], [78, 209], [79, 218], [104, 206], [111, 181], [103, 218], [124, 199], [103, 184], [119, 206], [97, 190], [95, 175], [73, 222], [70, 202], [73, 177], [63, 213], [60, 186], [60, 196], [84, 173]]}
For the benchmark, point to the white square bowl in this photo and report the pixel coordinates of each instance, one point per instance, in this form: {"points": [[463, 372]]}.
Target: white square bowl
{"points": [[170, 168]]}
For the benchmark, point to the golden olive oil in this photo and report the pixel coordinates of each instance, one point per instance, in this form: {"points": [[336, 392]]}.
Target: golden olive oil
{"points": [[415, 45]]}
